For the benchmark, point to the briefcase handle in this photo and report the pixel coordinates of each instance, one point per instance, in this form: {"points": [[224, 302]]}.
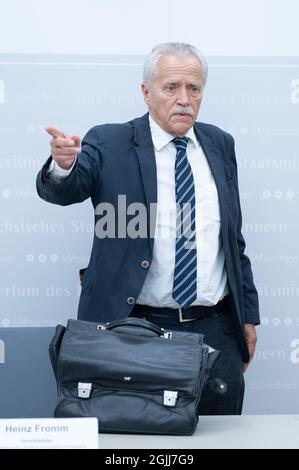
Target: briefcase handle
{"points": [[139, 322]]}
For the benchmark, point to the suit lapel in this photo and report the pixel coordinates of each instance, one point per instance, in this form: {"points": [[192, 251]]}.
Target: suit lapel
{"points": [[146, 157], [215, 160]]}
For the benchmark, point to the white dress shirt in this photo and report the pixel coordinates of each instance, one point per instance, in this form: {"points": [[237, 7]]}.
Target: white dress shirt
{"points": [[211, 272]]}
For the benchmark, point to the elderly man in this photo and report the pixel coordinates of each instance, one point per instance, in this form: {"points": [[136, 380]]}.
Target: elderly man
{"points": [[186, 272]]}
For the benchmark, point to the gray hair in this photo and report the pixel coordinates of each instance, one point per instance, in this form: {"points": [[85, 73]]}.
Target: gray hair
{"points": [[172, 48]]}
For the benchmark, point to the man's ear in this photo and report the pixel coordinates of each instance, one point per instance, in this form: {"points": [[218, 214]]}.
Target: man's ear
{"points": [[146, 93]]}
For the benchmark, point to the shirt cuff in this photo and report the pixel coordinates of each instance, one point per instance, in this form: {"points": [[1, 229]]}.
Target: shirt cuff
{"points": [[57, 173]]}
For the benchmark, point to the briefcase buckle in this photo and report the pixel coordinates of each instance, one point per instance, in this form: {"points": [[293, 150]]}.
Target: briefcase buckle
{"points": [[84, 390], [169, 398], [181, 319], [167, 334]]}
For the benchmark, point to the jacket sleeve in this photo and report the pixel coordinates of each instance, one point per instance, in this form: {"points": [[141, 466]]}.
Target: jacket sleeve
{"points": [[81, 183], [250, 295]]}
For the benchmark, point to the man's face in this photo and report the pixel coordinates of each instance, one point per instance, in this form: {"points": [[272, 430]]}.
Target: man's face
{"points": [[175, 93]]}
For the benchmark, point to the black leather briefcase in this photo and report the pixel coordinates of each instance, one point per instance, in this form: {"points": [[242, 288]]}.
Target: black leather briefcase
{"points": [[130, 374]]}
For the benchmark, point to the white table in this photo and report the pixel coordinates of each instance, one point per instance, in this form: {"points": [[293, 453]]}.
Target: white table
{"points": [[222, 432]]}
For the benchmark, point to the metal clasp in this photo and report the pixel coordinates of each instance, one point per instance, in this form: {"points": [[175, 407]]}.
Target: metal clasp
{"points": [[169, 398], [84, 390], [167, 334]]}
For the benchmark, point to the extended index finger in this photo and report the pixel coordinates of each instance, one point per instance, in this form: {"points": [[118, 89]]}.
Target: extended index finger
{"points": [[55, 132]]}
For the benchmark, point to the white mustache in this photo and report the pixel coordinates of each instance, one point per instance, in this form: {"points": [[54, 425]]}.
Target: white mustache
{"points": [[183, 110]]}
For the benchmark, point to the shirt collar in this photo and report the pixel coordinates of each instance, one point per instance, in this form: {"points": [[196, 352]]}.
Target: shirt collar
{"points": [[161, 138]]}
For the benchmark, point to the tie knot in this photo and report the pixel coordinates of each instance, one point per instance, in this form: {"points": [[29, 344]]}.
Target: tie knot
{"points": [[180, 143]]}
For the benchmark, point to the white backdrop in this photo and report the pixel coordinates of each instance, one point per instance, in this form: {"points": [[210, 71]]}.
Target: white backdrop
{"points": [[75, 64], [258, 28]]}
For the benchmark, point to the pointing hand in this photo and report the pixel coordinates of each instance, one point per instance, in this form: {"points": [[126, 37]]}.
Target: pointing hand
{"points": [[64, 148]]}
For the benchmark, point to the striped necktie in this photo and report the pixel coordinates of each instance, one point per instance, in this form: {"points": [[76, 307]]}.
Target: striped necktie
{"points": [[184, 283]]}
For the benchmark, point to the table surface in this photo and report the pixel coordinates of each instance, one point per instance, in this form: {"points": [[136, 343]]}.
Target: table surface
{"points": [[219, 432]]}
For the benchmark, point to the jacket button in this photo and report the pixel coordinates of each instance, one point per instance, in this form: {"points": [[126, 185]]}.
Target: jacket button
{"points": [[130, 300], [144, 264]]}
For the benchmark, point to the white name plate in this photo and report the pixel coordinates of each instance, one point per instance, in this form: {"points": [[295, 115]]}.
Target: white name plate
{"points": [[49, 433]]}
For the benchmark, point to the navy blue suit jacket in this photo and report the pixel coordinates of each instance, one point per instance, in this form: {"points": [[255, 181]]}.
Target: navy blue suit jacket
{"points": [[119, 159]]}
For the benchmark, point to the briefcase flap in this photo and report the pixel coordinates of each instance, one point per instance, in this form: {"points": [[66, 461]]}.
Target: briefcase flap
{"points": [[116, 359]]}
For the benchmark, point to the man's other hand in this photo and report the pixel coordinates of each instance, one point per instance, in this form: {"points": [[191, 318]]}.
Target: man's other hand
{"points": [[64, 149], [250, 336]]}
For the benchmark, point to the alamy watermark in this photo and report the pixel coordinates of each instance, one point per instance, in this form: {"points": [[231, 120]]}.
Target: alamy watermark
{"points": [[137, 220]]}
